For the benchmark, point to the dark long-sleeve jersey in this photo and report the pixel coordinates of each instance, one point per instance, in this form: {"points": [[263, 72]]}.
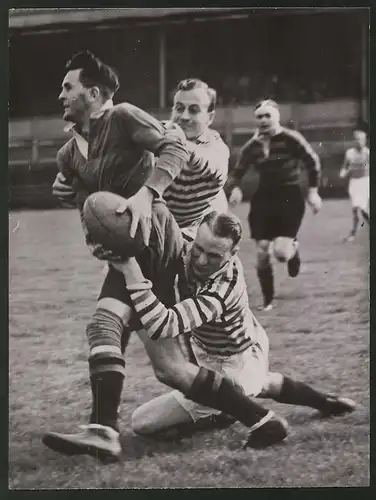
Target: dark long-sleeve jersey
{"points": [[122, 144], [278, 163]]}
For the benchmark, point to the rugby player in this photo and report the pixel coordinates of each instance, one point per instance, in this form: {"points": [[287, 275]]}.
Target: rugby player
{"points": [[199, 182], [278, 205], [356, 169], [225, 335]]}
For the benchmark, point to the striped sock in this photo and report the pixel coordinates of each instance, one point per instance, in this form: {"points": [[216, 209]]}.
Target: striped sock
{"points": [[106, 365], [211, 389]]}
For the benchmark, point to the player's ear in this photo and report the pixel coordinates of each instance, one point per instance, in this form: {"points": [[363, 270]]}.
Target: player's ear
{"points": [[94, 92]]}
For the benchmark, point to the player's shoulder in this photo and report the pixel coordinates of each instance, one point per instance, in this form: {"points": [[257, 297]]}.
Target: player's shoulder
{"points": [[252, 141], [294, 135]]}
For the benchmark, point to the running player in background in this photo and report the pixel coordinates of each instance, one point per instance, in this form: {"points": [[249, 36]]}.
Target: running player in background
{"points": [[356, 169], [278, 205]]}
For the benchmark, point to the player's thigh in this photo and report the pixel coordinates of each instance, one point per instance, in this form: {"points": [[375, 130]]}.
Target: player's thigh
{"points": [[290, 208], [159, 414], [115, 297], [169, 362], [261, 217]]}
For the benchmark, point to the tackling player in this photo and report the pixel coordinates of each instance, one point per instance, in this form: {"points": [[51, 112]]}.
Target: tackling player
{"points": [[278, 205], [356, 168], [225, 335]]}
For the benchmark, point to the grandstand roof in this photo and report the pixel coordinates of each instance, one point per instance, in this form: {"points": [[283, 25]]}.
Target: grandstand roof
{"points": [[33, 18]]}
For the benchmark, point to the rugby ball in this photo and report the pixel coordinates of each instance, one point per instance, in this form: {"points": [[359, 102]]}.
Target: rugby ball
{"points": [[108, 228]]}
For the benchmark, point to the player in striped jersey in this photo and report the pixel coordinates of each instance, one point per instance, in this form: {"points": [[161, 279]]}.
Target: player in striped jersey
{"points": [[225, 335], [356, 168], [278, 205]]}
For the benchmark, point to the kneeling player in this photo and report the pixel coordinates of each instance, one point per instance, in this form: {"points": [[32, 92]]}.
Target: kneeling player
{"points": [[225, 335]]}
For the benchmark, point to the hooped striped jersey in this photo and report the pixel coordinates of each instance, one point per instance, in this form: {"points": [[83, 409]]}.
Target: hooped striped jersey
{"points": [[191, 193], [217, 313]]}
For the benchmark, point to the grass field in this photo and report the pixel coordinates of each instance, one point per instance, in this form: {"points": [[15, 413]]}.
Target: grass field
{"points": [[319, 332]]}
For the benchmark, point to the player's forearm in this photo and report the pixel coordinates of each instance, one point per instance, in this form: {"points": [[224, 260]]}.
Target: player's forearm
{"points": [[314, 172]]}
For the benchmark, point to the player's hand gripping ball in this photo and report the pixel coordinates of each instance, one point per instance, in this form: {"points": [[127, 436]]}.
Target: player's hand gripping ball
{"points": [[111, 229]]}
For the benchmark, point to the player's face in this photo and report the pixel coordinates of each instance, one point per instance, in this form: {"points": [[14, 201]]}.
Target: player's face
{"points": [[190, 111], [74, 97], [267, 120], [209, 252], [360, 138]]}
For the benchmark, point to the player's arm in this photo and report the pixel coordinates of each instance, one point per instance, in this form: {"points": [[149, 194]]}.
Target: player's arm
{"points": [[243, 164], [344, 172], [311, 161], [62, 186], [172, 154], [159, 321]]}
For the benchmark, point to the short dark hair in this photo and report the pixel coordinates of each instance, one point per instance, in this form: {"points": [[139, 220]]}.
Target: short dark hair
{"points": [[94, 73], [266, 102], [224, 225], [195, 83]]}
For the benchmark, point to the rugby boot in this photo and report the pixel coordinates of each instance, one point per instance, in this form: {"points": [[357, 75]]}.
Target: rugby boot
{"points": [[97, 440], [337, 406], [268, 431]]}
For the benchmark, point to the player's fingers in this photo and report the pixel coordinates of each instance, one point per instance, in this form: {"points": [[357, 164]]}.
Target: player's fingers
{"points": [[134, 224], [145, 224]]}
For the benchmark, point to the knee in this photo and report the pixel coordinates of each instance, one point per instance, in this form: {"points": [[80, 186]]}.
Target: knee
{"points": [[140, 421], [283, 249], [123, 311], [273, 385]]}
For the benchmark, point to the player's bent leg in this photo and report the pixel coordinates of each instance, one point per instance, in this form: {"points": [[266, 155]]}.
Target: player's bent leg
{"points": [[288, 391], [209, 388], [265, 273]]}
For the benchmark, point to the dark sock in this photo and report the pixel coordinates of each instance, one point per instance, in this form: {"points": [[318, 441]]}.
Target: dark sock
{"points": [[106, 389], [211, 389], [298, 393], [365, 216], [266, 278]]}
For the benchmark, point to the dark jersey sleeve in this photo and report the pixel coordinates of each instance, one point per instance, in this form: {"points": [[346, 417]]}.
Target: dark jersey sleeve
{"points": [[308, 156], [149, 133], [162, 261], [244, 161]]}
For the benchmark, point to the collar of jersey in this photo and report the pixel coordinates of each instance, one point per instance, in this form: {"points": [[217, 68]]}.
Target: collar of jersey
{"points": [[107, 105], [205, 137]]}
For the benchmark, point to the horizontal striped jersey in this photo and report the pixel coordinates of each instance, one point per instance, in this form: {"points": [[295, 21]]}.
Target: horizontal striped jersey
{"points": [[191, 193], [217, 314], [357, 162], [277, 160]]}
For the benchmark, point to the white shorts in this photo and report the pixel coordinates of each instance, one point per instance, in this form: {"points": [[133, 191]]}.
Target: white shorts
{"points": [[249, 369], [359, 193]]}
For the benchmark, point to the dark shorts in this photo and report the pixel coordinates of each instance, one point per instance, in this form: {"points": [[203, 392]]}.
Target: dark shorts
{"points": [[275, 214]]}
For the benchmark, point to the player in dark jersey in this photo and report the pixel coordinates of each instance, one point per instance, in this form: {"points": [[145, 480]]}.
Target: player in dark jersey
{"points": [[278, 205]]}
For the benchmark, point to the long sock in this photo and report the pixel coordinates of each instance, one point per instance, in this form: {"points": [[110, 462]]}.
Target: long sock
{"points": [[106, 365], [106, 389], [355, 222], [125, 338], [211, 389], [266, 278], [298, 393]]}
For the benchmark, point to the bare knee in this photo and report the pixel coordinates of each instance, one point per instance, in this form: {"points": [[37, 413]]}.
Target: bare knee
{"points": [[141, 421], [283, 249], [273, 385]]}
